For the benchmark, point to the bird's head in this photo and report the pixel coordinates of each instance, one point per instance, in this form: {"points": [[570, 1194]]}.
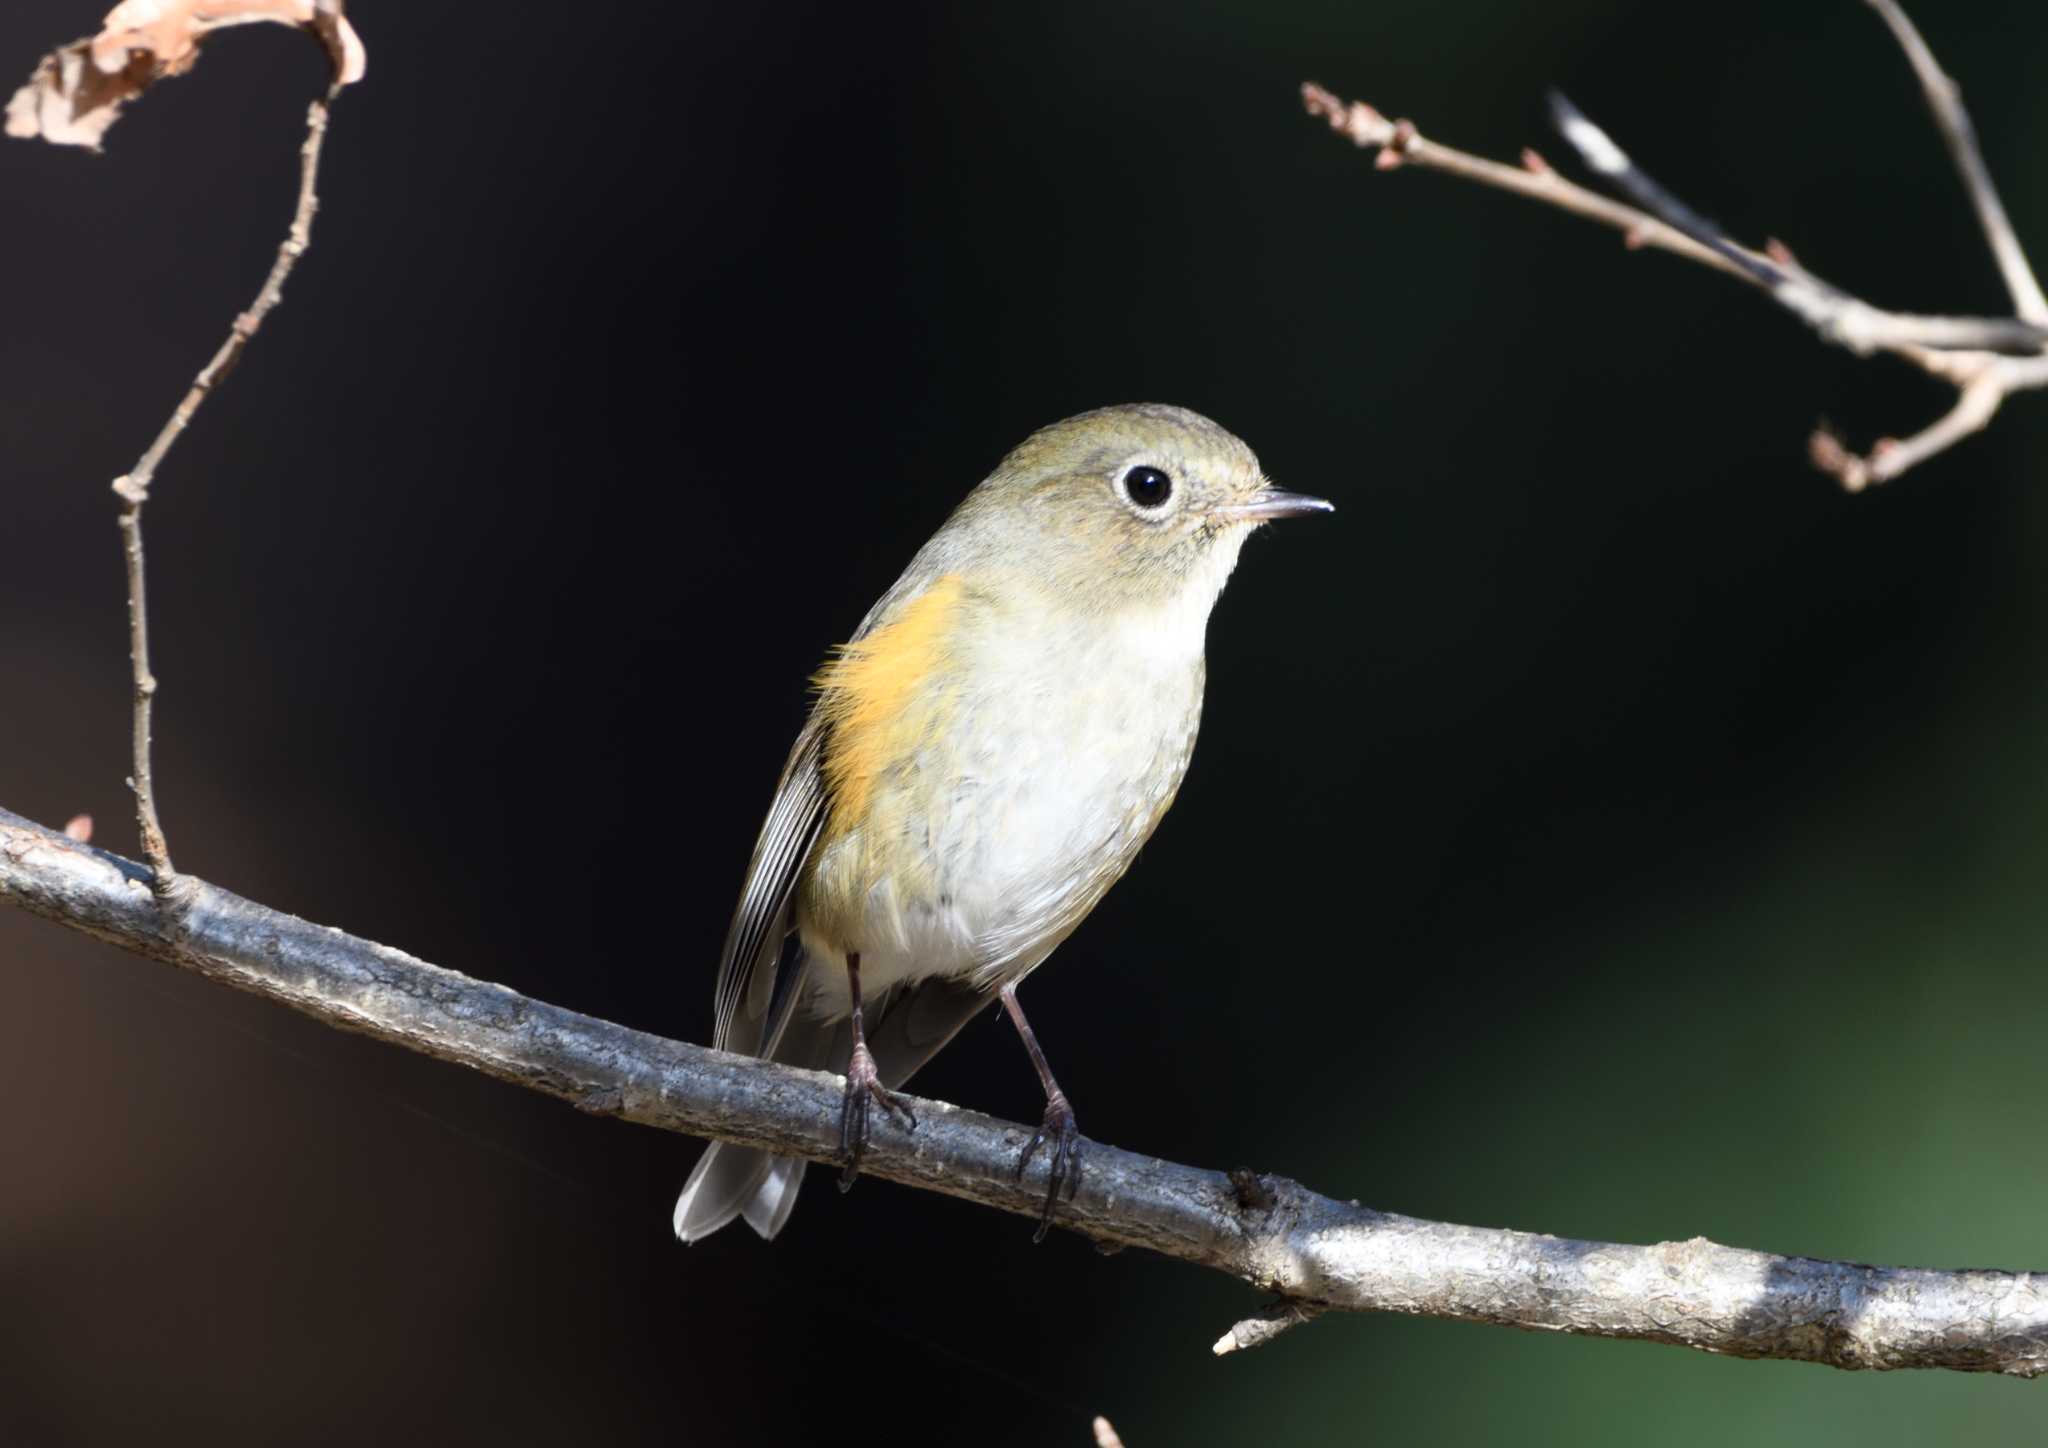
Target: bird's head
{"points": [[1131, 506]]}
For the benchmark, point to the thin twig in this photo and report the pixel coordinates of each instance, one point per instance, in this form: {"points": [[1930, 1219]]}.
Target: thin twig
{"points": [[1667, 224], [1314, 1253], [1839, 317], [1401, 144], [1945, 100], [154, 847], [133, 489], [1975, 406], [1963, 351]]}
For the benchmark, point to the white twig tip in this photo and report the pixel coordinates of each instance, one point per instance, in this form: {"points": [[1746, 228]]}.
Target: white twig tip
{"points": [[1257, 1331], [1587, 139]]}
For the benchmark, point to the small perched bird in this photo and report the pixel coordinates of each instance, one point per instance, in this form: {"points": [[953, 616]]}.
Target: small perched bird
{"points": [[984, 760]]}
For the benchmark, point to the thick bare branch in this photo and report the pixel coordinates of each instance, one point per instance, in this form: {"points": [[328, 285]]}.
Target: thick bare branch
{"points": [[1945, 100], [1315, 1253]]}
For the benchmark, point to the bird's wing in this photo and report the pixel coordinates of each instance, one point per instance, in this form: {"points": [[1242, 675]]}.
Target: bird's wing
{"points": [[761, 969], [756, 974]]}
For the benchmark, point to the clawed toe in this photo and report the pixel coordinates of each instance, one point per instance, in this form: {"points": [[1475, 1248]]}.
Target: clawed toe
{"points": [[1063, 1172], [863, 1084]]}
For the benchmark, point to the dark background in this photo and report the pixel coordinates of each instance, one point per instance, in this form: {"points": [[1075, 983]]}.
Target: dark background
{"points": [[1603, 825]]}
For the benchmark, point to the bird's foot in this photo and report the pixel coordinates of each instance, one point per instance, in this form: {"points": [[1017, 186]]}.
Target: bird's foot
{"points": [[1063, 1139], [863, 1084]]}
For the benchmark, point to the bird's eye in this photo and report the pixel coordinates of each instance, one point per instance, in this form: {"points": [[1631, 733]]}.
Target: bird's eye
{"points": [[1148, 487]]}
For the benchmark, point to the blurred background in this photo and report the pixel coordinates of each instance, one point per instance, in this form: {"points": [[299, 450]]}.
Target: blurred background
{"points": [[1638, 836]]}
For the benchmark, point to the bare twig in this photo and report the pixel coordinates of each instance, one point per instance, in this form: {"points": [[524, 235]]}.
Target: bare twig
{"points": [[133, 488], [1975, 405], [1945, 100], [1401, 144], [154, 847], [1666, 224], [1834, 313], [1986, 359], [1314, 1253]]}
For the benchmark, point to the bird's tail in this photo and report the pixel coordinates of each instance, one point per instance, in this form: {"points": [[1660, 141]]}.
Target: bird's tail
{"points": [[736, 1181], [740, 1181], [910, 1025]]}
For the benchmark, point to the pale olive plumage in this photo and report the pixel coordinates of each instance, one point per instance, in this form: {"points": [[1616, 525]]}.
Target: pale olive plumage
{"points": [[985, 759]]}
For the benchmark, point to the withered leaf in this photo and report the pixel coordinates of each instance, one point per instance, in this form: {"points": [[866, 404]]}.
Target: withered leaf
{"points": [[77, 90]]}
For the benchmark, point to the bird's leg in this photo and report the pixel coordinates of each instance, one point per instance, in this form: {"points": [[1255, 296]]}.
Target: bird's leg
{"points": [[1058, 1128], [863, 1082]]}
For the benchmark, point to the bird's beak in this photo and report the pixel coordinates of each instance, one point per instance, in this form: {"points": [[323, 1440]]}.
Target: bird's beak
{"points": [[1268, 503]]}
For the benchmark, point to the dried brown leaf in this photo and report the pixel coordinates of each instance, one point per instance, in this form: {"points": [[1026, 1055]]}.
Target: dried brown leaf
{"points": [[77, 90]]}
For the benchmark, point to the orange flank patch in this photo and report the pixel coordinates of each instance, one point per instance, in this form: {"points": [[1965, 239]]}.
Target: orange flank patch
{"points": [[874, 702]]}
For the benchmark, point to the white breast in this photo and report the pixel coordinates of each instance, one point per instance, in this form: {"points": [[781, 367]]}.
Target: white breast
{"points": [[1071, 740]]}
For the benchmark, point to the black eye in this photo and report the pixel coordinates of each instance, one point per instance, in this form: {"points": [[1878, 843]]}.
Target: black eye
{"points": [[1148, 487]]}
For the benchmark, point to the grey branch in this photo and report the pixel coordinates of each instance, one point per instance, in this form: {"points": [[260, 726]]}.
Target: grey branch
{"points": [[133, 486], [1843, 319], [1945, 100], [1986, 359], [1314, 1254]]}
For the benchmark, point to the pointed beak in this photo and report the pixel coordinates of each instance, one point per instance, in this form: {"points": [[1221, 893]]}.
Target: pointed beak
{"points": [[1268, 503]]}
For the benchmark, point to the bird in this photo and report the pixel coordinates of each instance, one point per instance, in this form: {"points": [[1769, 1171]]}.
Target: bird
{"points": [[983, 759]]}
